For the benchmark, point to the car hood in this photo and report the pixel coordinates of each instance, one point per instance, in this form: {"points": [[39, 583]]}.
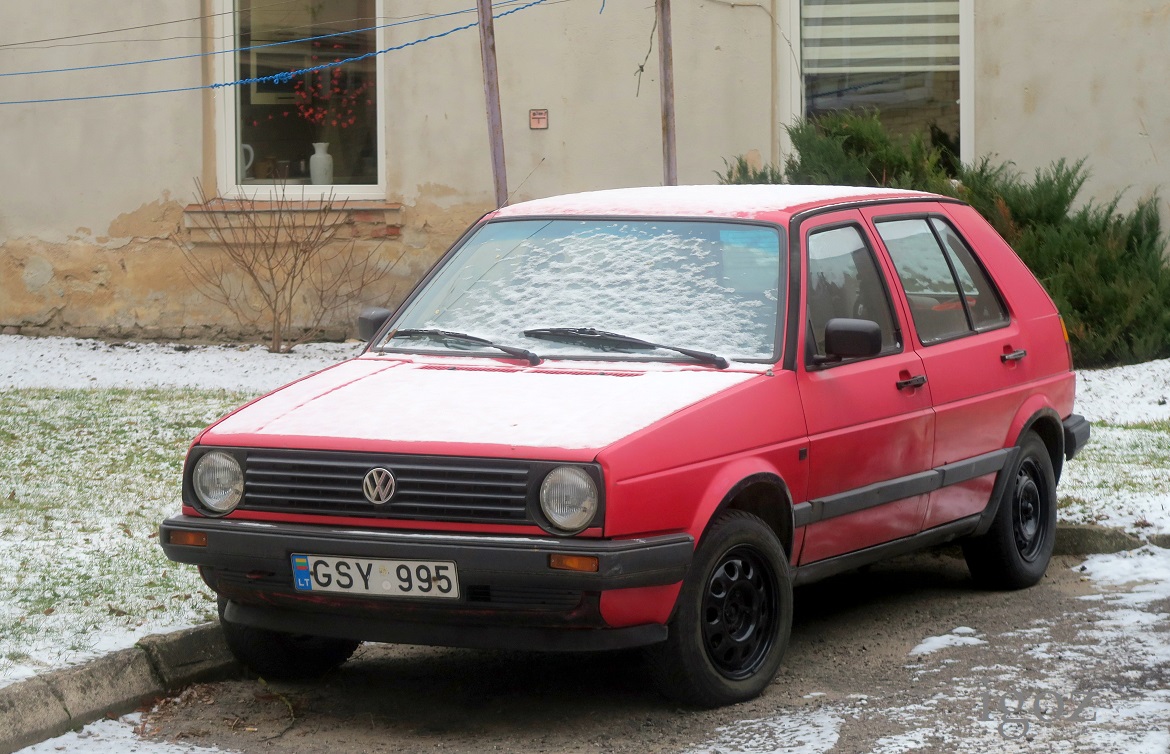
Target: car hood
{"points": [[463, 406]]}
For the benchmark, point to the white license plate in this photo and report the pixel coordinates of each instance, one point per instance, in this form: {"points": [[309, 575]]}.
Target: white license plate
{"points": [[392, 578]]}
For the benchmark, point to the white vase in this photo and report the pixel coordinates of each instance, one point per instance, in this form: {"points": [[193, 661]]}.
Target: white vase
{"points": [[321, 164]]}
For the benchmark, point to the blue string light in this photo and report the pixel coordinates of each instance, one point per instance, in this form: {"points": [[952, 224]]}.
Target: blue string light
{"points": [[246, 49], [278, 78]]}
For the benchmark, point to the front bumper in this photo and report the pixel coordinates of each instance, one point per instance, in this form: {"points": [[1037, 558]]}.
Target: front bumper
{"points": [[509, 596]]}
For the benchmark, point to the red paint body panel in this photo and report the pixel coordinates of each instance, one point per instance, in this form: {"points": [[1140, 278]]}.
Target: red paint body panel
{"points": [[672, 475], [633, 607]]}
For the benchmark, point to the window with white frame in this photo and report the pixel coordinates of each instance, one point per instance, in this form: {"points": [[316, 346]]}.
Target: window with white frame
{"points": [[899, 57], [314, 128]]}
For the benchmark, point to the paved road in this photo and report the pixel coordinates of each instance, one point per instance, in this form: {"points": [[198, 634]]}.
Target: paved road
{"points": [[906, 656]]}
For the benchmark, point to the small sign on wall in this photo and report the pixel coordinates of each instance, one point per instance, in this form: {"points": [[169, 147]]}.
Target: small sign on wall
{"points": [[538, 119]]}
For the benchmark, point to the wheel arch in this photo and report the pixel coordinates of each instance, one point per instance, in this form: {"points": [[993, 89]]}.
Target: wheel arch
{"points": [[1046, 423], [763, 494]]}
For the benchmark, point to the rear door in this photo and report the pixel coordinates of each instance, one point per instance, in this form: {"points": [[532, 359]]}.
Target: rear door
{"points": [[974, 352], [870, 422]]}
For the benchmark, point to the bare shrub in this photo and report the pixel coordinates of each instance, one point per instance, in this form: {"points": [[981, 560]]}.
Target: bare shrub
{"points": [[281, 266]]}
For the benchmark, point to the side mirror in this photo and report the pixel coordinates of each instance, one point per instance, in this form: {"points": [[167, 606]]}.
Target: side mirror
{"points": [[370, 321], [852, 338]]}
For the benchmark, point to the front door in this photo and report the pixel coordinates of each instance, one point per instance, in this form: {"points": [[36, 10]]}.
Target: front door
{"points": [[870, 421]]}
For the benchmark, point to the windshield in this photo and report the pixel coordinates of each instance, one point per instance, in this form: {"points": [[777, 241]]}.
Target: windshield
{"points": [[710, 286]]}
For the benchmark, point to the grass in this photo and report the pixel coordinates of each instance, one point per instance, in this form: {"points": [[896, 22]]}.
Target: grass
{"points": [[1121, 478], [85, 478]]}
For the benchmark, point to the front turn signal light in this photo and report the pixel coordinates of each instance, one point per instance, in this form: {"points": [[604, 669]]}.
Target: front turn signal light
{"points": [[188, 538], [583, 563]]}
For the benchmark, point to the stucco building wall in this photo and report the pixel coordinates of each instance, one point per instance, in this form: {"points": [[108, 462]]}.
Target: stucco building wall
{"points": [[95, 191], [1076, 78]]}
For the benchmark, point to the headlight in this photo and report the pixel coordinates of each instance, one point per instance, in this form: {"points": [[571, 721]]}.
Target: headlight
{"points": [[218, 482], [568, 498]]}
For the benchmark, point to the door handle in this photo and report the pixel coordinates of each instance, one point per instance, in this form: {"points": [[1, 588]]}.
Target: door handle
{"points": [[913, 382], [1013, 356]]}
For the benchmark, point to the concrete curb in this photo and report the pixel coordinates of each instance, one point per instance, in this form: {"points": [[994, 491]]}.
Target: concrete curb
{"points": [[1090, 539], [52, 703]]}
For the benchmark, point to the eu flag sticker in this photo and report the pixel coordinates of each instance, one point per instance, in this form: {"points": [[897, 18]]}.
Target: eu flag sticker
{"points": [[301, 577]]}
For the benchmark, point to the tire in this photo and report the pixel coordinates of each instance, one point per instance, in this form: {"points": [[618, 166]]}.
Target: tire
{"points": [[733, 617], [284, 657], [1015, 551]]}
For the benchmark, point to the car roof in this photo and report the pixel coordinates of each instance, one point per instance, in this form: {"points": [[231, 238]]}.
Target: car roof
{"points": [[740, 201]]}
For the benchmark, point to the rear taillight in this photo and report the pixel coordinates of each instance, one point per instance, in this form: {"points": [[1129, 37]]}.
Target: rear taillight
{"points": [[1067, 344]]}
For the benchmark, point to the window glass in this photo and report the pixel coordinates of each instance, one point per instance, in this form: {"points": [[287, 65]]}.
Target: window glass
{"points": [[844, 281], [901, 58], [987, 310], [282, 125], [942, 292], [711, 286]]}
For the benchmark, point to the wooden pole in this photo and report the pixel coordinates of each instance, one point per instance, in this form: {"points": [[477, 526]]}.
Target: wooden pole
{"points": [[491, 90], [666, 78]]}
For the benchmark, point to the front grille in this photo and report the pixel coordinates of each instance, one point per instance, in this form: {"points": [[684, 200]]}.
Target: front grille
{"points": [[435, 489]]}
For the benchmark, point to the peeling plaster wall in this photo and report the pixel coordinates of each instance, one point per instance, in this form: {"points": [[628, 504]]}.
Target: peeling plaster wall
{"points": [[93, 190], [96, 189], [1073, 79]]}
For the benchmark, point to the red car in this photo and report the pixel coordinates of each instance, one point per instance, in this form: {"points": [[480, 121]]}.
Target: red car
{"points": [[639, 417]]}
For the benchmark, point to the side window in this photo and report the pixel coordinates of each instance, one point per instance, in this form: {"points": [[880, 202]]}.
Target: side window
{"points": [[948, 292], [984, 301], [844, 281]]}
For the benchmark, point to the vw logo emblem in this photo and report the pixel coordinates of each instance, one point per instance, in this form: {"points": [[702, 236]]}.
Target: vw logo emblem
{"points": [[378, 486]]}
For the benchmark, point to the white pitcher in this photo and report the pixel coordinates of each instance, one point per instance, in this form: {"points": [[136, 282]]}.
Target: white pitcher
{"points": [[247, 157]]}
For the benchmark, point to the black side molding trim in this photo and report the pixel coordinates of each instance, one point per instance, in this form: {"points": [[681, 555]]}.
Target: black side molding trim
{"points": [[1076, 435], [831, 566], [972, 468], [876, 494], [871, 496]]}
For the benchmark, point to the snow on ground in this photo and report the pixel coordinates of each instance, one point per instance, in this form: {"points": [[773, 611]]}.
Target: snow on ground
{"points": [[69, 363], [113, 737], [86, 575], [1125, 395], [958, 637]]}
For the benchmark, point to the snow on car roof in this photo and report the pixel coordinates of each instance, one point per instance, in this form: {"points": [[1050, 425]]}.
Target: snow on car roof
{"points": [[718, 201]]}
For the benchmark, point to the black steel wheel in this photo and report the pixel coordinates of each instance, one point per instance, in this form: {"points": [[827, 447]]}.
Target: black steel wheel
{"points": [[1028, 508], [734, 614], [740, 607], [1016, 550]]}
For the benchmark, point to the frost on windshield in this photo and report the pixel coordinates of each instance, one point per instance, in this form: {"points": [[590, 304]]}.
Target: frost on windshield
{"points": [[701, 285]]}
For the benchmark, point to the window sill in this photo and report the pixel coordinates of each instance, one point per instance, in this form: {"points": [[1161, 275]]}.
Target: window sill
{"points": [[354, 218]]}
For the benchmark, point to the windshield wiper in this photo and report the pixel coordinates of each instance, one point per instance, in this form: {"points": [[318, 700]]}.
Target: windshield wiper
{"points": [[587, 336], [445, 335]]}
